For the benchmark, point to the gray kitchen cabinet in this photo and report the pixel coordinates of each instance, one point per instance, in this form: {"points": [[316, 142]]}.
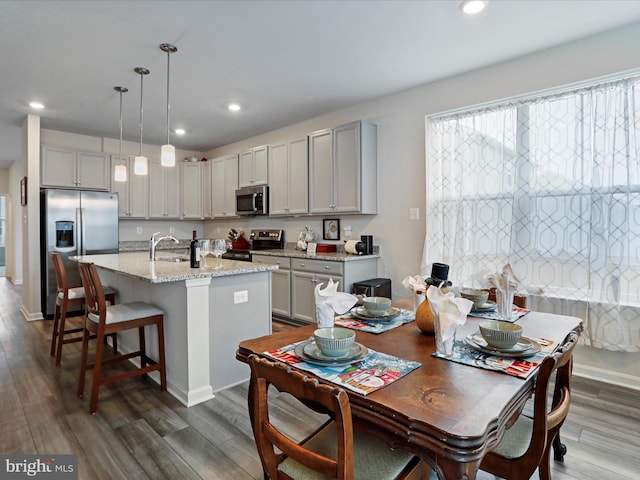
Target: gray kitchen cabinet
{"points": [[73, 169], [224, 176], [306, 274], [253, 167], [164, 191], [191, 191], [343, 169], [289, 174], [133, 194], [280, 283], [207, 190]]}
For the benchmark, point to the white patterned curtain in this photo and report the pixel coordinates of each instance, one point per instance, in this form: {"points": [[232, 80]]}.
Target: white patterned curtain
{"points": [[552, 186]]}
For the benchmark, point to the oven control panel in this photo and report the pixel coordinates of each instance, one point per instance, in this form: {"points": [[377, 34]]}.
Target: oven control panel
{"points": [[266, 239]]}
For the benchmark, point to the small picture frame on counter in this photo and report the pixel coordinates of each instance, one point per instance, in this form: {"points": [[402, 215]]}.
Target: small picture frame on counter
{"points": [[331, 229]]}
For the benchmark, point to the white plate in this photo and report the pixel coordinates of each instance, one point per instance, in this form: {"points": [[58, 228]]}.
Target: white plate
{"points": [[312, 350], [487, 307], [362, 352], [362, 314], [521, 346], [524, 348]]}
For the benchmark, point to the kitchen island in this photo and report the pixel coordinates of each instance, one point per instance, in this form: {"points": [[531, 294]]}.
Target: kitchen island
{"points": [[207, 312]]}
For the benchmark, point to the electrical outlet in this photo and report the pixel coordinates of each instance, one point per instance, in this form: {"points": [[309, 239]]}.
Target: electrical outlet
{"points": [[241, 297], [139, 230], [347, 231], [414, 214], [172, 230]]}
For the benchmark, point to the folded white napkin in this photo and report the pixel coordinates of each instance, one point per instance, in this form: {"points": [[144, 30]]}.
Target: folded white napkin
{"points": [[329, 302], [416, 283], [506, 284], [449, 312]]}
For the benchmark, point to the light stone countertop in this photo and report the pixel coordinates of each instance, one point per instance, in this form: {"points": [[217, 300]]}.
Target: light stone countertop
{"points": [[326, 256], [138, 265]]}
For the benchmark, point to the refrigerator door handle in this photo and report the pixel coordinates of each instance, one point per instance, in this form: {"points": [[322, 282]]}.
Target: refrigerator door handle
{"points": [[80, 231]]}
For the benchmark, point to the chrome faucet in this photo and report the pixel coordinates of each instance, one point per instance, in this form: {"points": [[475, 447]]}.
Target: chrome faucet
{"points": [[153, 243]]}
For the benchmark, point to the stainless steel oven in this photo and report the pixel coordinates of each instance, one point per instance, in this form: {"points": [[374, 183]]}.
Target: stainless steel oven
{"points": [[265, 239]]}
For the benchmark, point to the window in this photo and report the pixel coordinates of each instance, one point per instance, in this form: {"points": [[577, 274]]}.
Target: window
{"points": [[550, 184]]}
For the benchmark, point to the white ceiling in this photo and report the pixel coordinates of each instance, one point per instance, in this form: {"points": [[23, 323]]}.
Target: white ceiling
{"points": [[284, 61]]}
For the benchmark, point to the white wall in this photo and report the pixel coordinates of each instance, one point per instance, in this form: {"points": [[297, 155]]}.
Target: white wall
{"points": [[401, 155], [4, 181], [14, 225], [30, 216]]}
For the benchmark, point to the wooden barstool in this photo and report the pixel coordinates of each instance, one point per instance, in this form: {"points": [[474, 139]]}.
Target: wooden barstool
{"points": [[67, 298], [102, 320]]}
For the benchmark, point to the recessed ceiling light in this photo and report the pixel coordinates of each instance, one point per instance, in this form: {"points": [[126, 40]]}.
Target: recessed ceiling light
{"points": [[234, 107], [471, 7], [36, 105], [180, 131]]}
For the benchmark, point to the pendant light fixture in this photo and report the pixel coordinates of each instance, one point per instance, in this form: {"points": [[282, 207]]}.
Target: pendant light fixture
{"points": [[168, 151], [120, 171], [140, 163]]}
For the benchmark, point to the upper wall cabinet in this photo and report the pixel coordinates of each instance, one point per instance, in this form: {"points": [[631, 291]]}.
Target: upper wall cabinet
{"points": [[133, 194], [289, 174], [192, 183], [164, 191], [224, 176], [207, 190], [72, 169], [253, 167], [343, 170]]}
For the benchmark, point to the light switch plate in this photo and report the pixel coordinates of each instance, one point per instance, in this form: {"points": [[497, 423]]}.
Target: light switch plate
{"points": [[414, 214]]}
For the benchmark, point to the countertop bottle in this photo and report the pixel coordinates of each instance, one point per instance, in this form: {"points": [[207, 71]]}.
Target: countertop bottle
{"points": [[194, 251]]}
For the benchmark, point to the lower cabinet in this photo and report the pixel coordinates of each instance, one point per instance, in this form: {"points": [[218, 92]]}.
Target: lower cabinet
{"points": [[280, 283], [294, 283]]}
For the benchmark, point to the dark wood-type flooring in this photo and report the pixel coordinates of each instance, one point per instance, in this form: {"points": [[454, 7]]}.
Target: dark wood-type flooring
{"points": [[140, 433]]}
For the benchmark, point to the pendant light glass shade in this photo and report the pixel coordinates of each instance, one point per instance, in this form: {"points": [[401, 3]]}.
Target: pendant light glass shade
{"points": [[120, 171], [168, 156], [168, 151], [140, 163]]}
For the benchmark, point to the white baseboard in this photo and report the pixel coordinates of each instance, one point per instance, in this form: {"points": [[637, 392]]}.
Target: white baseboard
{"points": [[607, 376], [30, 317]]}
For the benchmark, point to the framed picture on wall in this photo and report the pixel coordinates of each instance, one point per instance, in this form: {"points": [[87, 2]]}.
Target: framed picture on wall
{"points": [[23, 191], [331, 229]]}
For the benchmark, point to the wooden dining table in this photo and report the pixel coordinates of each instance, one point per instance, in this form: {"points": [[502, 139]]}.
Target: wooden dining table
{"points": [[447, 413]]}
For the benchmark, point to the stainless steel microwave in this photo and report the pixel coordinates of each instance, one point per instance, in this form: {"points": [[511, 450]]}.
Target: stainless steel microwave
{"points": [[252, 200]]}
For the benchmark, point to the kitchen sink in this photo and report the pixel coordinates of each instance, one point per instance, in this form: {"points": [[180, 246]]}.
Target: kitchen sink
{"points": [[173, 258]]}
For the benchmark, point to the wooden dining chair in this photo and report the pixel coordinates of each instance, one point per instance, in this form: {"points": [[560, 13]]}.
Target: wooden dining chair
{"points": [[526, 445], [102, 320], [69, 298], [334, 450]]}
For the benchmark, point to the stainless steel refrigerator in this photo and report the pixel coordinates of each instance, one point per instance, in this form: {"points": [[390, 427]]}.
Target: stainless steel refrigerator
{"points": [[72, 223]]}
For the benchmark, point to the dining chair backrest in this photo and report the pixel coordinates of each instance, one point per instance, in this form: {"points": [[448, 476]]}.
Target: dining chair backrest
{"points": [[309, 391], [527, 444], [62, 282], [95, 302]]}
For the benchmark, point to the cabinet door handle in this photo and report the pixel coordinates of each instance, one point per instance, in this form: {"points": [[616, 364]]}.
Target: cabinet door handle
{"points": [[326, 267], [302, 265]]}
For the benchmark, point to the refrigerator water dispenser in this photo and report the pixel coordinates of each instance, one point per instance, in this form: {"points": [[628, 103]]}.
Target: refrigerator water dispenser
{"points": [[64, 233]]}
